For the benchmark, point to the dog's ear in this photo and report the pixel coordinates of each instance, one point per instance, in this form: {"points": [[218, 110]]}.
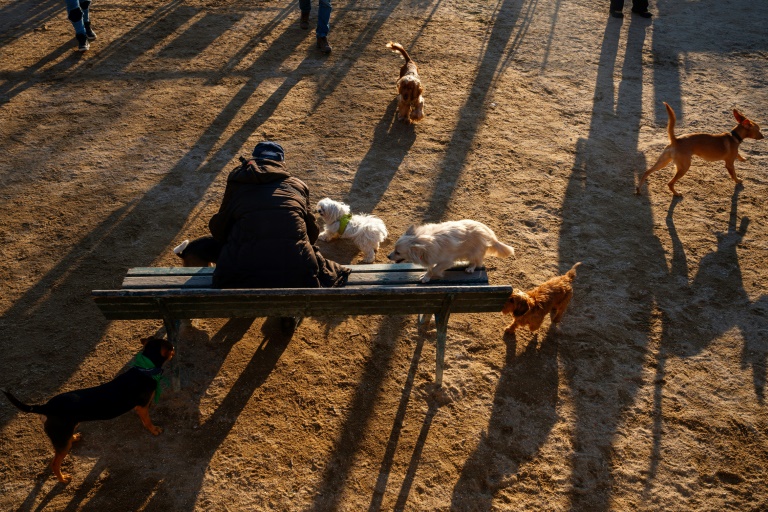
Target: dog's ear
{"points": [[146, 340], [411, 230], [418, 253], [521, 304], [740, 118]]}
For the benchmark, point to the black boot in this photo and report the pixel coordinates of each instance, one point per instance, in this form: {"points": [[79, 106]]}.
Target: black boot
{"points": [[322, 44], [82, 42], [88, 32]]}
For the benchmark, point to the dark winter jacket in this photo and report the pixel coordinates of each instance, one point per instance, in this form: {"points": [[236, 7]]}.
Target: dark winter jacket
{"points": [[267, 229]]}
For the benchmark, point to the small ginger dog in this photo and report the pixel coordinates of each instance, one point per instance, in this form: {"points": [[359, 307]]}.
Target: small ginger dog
{"points": [[437, 247], [410, 102], [551, 298], [724, 146]]}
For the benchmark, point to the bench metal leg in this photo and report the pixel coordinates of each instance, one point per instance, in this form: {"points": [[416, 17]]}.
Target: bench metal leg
{"points": [[441, 322], [172, 327]]}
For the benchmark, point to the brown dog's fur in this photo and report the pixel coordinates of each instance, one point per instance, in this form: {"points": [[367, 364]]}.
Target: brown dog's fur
{"points": [[551, 298], [724, 146], [410, 99]]}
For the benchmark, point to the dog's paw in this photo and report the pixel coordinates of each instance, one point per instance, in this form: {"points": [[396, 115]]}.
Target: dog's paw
{"points": [[155, 430], [324, 237], [77, 437], [424, 278], [470, 269]]}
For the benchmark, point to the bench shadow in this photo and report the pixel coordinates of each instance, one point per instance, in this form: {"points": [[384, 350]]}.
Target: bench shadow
{"points": [[344, 451], [523, 415], [394, 436]]}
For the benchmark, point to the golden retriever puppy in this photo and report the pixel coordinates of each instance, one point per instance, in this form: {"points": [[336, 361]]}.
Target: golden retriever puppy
{"points": [[410, 99], [437, 247], [551, 298]]}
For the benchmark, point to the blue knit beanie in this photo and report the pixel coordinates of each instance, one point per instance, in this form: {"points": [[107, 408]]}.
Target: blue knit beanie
{"points": [[269, 151]]}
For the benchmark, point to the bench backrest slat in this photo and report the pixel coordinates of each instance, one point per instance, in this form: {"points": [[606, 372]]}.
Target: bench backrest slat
{"points": [[193, 303]]}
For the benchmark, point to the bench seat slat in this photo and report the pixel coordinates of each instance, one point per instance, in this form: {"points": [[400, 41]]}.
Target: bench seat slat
{"points": [[457, 277], [188, 271]]}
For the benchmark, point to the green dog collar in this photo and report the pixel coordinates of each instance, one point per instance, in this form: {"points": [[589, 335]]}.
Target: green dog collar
{"points": [[343, 221], [145, 365]]}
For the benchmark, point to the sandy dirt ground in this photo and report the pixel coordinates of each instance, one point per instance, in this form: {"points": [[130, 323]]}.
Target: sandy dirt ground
{"points": [[540, 116]]}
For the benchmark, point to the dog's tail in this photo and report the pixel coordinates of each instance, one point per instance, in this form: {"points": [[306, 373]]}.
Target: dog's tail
{"points": [[671, 124], [501, 250], [19, 404], [180, 248], [397, 47], [572, 273]]}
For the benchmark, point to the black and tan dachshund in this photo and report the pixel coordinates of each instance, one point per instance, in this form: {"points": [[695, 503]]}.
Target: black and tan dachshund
{"points": [[133, 389]]}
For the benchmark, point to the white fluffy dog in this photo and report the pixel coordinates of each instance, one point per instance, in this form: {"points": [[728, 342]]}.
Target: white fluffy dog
{"points": [[437, 247], [366, 231]]}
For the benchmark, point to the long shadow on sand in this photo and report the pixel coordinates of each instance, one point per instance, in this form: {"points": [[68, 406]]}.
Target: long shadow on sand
{"points": [[603, 366], [524, 412], [58, 306]]}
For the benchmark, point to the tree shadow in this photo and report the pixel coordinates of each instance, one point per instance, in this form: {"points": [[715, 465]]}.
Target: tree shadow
{"points": [[19, 18], [620, 254], [92, 263], [472, 113], [524, 412]]}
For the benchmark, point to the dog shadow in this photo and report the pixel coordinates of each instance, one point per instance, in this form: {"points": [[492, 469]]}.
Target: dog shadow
{"points": [[392, 139]]}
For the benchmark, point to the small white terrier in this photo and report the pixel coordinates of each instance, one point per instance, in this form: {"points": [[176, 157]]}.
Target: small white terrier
{"points": [[366, 231]]}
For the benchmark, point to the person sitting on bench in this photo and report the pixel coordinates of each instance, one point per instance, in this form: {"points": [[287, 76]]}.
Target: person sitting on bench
{"points": [[264, 234]]}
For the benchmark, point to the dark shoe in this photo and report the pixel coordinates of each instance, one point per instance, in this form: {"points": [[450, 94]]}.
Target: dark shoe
{"points": [[82, 42], [322, 44], [90, 34], [643, 14], [304, 23], [617, 14]]}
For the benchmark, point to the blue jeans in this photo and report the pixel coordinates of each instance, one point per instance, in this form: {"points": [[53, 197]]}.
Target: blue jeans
{"points": [[78, 21], [323, 15]]}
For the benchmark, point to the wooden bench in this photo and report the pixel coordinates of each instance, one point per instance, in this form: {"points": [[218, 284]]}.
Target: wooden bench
{"points": [[174, 293]]}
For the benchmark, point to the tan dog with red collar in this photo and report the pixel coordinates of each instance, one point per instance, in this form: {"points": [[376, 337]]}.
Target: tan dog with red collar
{"points": [[724, 146]]}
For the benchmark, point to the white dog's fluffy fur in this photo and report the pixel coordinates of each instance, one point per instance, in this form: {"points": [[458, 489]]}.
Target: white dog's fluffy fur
{"points": [[366, 231], [437, 247]]}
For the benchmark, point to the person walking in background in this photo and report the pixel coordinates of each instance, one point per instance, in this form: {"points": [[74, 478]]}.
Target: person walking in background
{"points": [[639, 7], [78, 12], [323, 20]]}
